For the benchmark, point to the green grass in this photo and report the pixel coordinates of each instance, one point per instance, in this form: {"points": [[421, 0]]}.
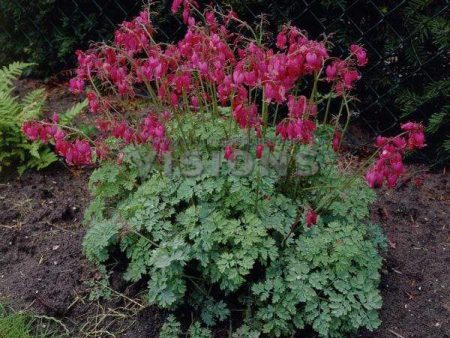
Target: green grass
{"points": [[14, 326], [24, 325]]}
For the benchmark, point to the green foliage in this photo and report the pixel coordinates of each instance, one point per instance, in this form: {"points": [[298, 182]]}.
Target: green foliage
{"points": [[245, 332], [68, 116], [14, 148], [171, 328], [221, 242], [197, 331], [332, 274]]}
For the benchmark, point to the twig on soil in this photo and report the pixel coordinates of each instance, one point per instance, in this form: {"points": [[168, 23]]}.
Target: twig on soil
{"points": [[101, 323], [60, 323], [103, 320], [408, 294], [9, 227], [123, 296], [76, 300], [30, 305], [59, 228], [395, 333]]}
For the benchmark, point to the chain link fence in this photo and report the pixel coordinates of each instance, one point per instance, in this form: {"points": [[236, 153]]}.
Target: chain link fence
{"points": [[402, 39], [391, 32]]}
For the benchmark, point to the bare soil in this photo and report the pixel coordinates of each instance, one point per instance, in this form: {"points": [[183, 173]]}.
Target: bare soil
{"points": [[416, 278]]}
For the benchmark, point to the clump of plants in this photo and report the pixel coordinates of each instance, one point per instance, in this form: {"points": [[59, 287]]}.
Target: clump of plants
{"points": [[225, 193], [15, 149]]}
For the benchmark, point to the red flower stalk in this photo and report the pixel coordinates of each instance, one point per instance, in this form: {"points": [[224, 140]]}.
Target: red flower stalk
{"points": [[389, 165]]}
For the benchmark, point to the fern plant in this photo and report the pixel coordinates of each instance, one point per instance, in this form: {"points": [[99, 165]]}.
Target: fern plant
{"points": [[14, 147]]}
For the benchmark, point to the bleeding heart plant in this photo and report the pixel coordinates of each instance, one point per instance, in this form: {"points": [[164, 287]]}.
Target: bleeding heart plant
{"points": [[291, 249]]}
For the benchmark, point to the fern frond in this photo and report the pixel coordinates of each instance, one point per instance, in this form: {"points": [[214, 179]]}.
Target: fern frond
{"points": [[36, 95], [409, 101], [14, 147], [9, 108], [72, 112], [32, 105], [446, 146], [413, 6], [10, 73], [438, 119]]}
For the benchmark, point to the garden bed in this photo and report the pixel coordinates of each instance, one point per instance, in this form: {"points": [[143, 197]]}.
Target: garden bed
{"points": [[223, 196], [43, 270]]}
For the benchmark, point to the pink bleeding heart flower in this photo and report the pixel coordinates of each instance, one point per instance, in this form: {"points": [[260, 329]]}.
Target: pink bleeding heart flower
{"points": [[176, 4], [331, 72], [360, 53], [312, 60], [55, 118], [336, 141], [259, 150], [195, 102], [76, 85], [281, 40], [229, 153], [416, 136], [374, 179], [311, 218], [94, 102]]}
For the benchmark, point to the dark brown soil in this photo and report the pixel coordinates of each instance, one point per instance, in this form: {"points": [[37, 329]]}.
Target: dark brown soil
{"points": [[40, 236], [416, 278]]}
